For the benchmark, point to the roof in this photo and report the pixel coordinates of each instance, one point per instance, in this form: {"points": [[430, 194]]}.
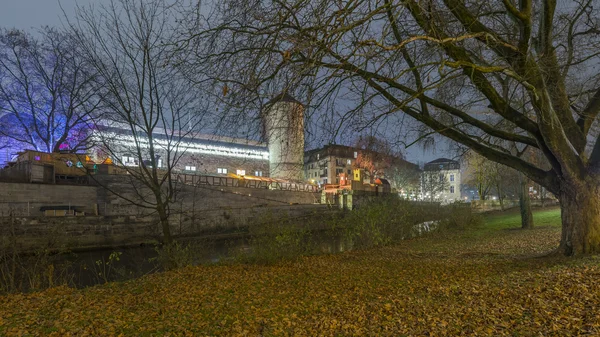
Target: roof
{"points": [[442, 160], [198, 138], [442, 164], [283, 97]]}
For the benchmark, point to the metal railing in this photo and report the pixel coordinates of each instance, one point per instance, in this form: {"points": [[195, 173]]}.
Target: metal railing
{"points": [[261, 183]]}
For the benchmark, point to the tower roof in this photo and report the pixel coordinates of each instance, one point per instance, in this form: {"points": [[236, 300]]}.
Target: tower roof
{"points": [[283, 97], [442, 160]]}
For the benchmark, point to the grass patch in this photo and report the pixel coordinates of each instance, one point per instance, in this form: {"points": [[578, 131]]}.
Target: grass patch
{"points": [[512, 219], [448, 284]]}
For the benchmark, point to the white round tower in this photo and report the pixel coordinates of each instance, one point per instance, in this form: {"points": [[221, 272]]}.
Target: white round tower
{"points": [[283, 119]]}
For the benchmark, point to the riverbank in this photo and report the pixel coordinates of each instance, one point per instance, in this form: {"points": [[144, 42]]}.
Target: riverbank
{"points": [[482, 282]]}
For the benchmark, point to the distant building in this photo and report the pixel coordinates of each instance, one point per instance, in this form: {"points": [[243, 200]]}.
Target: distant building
{"points": [[324, 165], [333, 163], [281, 157], [199, 153], [441, 181]]}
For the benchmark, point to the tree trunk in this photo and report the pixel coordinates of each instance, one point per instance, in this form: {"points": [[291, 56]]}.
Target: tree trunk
{"points": [[542, 191], [164, 222], [580, 213], [525, 204], [500, 196]]}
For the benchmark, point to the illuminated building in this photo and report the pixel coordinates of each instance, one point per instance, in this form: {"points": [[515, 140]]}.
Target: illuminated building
{"points": [[331, 163], [191, 153], [446, 187]]}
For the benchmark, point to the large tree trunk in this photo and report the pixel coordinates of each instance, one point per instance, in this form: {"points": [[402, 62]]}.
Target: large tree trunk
{"points": [[580, 212], [525, 204]]}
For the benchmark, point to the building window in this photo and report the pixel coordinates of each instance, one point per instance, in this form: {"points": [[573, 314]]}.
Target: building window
{"points": [[355, 154], [222, 170], [349, 162], [452, 177], [240, 172], [190, 168], [451, 189], [441, 178], [128, 160], [349, 172], [258, 173]]}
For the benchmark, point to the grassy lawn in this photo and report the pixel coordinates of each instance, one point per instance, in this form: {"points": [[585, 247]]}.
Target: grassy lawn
{"points": [[485, 282]]}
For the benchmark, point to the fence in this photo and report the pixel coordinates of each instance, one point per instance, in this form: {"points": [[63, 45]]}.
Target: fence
{"points": [[494, 205], [262, 183]]}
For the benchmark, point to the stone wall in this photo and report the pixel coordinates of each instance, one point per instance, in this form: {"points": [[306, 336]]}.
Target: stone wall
{"points": [[23, 199], [112, 220], [26, 199], [33, 233], [193, 199]]}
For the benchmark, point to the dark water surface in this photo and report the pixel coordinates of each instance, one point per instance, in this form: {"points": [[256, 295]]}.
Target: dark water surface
{"points": [[92, 267]]}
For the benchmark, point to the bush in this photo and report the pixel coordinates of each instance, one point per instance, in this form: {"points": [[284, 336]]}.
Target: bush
{"points": [[459, 216], [381, 222], [273, 239]]}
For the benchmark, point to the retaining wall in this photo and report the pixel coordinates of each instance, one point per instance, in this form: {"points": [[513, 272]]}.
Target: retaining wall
{"points": [[33, 233]]}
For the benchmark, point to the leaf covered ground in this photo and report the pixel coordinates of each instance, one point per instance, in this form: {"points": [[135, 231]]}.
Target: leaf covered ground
{"points": [[487, 282]]}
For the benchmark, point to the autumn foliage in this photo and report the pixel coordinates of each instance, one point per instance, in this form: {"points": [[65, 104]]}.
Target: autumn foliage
{"points": [[474, 283]]}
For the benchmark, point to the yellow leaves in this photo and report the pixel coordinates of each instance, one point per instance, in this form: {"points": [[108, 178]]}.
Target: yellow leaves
{"points": [[441, 286], [225, 90]]}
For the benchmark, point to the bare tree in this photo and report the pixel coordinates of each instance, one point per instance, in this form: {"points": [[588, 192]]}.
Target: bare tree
{"points": [[488, 176], [48, 93], [481, 173], [405, 177], [390, 58], [433, 184], [375, 157], [151, 113]]}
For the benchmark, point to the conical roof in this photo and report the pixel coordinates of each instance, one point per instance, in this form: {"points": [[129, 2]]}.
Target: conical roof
{"points": [[283, 97]]}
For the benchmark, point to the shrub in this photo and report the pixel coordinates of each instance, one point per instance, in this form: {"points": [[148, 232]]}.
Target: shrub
{"points": [[459, 216], [381, 222], [273, 239]]}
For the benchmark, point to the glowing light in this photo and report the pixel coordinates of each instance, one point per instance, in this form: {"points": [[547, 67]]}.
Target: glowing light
{"points": [[126, 142]]}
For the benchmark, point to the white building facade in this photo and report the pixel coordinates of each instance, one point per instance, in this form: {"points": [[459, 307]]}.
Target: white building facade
{"points": [[441, 181]]}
